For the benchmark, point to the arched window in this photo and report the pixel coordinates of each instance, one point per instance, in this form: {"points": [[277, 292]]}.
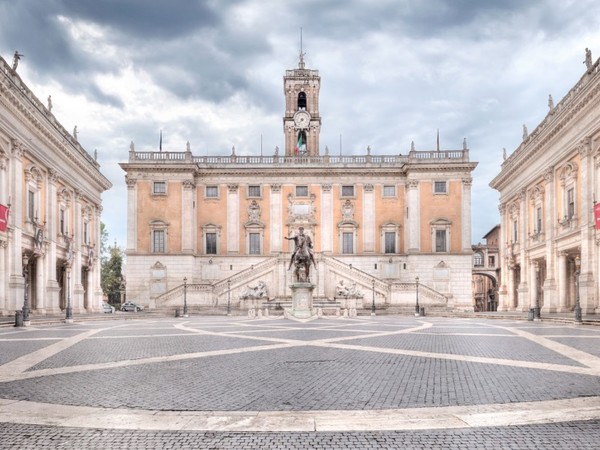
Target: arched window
{"points": [[301, 100], [477, 259]]}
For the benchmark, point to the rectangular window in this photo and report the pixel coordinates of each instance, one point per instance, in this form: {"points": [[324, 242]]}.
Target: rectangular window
{"points": [[439, 187], [85, 232], [491, 261], [347, 191], [348, 243], [253, 191], [440, 240], [211, 243], [515, 229], [538, 217], [158, 241], [63, 225], [212, 191], [390, 242], [159, 187], [570, 203], [254, 239], [389, 191], [301, 191], [31, 205]]}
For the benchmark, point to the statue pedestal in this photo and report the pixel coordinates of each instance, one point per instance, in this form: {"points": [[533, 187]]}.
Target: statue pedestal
{"points": [[302, 300]]}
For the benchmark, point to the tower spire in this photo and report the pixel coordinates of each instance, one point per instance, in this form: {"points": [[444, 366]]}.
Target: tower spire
{"points": [[301, 62]]}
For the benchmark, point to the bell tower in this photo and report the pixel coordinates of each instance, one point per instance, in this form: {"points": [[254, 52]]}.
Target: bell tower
{"points": [[301, 122]]}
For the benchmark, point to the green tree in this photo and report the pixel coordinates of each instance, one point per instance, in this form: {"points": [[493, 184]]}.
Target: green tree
{"points": [[112, 268], [103, 242]]}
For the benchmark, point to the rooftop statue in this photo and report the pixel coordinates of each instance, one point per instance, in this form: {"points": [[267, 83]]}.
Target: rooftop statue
{"points": [[16, 58]]}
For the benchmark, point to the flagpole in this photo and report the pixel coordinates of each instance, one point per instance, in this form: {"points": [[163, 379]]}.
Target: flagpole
{"points": [[160, 142]]}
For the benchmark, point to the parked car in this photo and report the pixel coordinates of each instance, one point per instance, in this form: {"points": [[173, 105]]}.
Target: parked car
{"points": [[129, 306], [108, 309]]}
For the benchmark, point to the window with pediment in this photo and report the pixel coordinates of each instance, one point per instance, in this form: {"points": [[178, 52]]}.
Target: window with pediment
{"points": [[159, 236], [440, 235], [568, 184], [211, 234]]}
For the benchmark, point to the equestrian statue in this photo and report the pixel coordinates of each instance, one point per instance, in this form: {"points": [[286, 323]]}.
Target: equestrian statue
{"points": [[302, 257]]}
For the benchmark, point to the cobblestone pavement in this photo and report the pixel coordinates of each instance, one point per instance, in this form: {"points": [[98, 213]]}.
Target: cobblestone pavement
{"points": [[367, 382]]}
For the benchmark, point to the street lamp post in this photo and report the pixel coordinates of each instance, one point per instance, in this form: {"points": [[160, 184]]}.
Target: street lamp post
{"points": [[228, 297], [26, 308], [69, 308], [578, 316], [185, 311], [417, 309], [373, 303]]}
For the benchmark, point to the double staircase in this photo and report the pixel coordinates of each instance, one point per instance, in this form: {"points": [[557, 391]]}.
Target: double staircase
{"points": [[218, 297]]}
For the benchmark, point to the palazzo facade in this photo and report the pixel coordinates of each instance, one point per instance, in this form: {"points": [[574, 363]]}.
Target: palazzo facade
{"points": [[548, 188], [377, 221], [50, 199]]}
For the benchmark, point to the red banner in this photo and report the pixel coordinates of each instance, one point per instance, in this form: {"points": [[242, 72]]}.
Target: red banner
{"points": [[3, 217], [597, 215]]}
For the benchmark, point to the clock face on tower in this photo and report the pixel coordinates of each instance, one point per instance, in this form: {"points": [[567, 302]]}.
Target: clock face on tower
{"points": [[302, 119]]}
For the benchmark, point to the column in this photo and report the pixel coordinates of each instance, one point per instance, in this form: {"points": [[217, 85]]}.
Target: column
{"points": [[533, 283], [233, 219], [77, 292], [4, 306], [503, 297], [131, 214], [586, 223], [96, 269], [326, 219], [188, 216], [39, 285], [368, 219], [466, 215], [523, 289], [550, 293], [52, 288], [562, 282], [4, 196], [15, 258], [275, 218], [414, 219]]}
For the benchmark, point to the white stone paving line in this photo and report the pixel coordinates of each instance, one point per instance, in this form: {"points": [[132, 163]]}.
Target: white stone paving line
{"points": [[587, 359], [587, 408], [497, 415]]}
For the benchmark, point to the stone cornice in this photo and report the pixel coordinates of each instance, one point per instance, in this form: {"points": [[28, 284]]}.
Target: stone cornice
{"points": [[16, 97], [583, 95]]}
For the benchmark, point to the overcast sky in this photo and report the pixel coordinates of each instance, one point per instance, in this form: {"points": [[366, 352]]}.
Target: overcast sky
{"points": [[210, 72]]}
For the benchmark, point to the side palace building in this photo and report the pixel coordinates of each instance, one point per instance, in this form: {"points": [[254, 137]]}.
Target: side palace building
{"points": [[50, 204], [549, 188], [377, 221]]}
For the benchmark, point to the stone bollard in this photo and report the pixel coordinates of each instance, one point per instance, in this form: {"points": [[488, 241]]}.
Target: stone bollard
{"points": [[18, 318]]}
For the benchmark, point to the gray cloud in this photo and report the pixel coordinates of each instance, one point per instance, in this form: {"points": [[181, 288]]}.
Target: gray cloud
{"points": [[392, 72]]}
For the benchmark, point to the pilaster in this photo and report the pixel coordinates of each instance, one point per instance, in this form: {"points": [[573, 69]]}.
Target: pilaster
{"points": [[233, 219], [275, 218], [466, 215], [131, 214], [188, 216], [414, 219], [368, 218]]}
